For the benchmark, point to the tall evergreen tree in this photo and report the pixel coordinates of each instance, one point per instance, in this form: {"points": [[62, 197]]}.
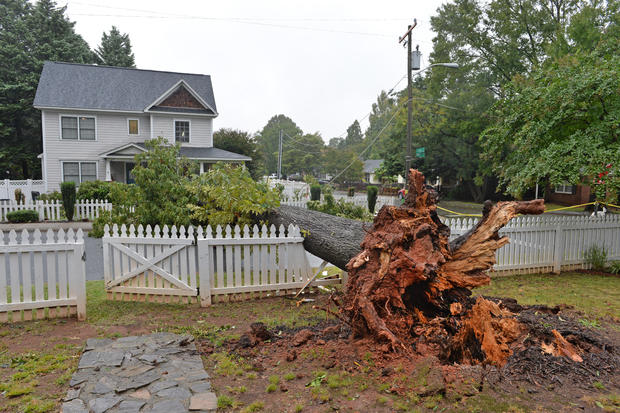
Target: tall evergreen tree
{"points": [[354, 134], [29, 35], [115, 49]]}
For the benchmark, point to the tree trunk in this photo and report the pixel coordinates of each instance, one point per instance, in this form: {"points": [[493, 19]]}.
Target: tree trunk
{"points": [[332, 238]]}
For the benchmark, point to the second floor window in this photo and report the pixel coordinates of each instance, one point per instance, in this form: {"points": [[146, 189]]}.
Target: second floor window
{"points": [[77, 128], [132, 125], [181, 131]]}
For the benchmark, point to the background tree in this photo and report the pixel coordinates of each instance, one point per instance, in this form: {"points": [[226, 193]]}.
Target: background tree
{"points": [[268, 138], [240, 142], [29, 35], [560, 124], [115, 49], [354, 134], [302, 154]]}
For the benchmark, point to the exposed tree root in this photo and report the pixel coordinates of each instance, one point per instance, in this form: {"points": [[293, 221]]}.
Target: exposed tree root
{"points": [[409, 283]]}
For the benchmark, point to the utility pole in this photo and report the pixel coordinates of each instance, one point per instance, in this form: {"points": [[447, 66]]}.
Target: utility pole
{"points": [[280, 156], [409, 96]]}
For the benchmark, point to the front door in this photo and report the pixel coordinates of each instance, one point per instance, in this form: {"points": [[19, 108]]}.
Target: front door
{"points": [[129, 178]]}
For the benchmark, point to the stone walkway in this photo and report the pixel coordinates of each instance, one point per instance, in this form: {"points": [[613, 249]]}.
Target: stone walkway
{"points": [[158, 373]]}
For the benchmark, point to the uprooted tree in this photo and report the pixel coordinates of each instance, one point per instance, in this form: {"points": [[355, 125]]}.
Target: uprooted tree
{"points": [[409, 288]]}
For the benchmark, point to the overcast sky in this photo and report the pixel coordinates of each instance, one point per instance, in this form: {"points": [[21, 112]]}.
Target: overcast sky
{"points": [[322, 63]]}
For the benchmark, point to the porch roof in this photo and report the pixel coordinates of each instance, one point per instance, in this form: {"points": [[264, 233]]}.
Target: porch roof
{"points": [[128, 151]]}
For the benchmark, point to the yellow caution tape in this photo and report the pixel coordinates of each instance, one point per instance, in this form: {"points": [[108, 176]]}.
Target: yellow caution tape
{"points": [[569, 207], [550, 210], [458, 213]]}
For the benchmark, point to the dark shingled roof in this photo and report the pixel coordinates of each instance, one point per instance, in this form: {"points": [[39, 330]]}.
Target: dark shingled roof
{"points": [[207, 154], [70, 85], [371, 165]]}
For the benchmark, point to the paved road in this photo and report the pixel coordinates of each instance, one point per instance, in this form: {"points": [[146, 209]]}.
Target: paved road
{"points": [[94, 256]]}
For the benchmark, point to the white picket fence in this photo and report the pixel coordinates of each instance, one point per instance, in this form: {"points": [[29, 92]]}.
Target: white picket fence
{"points": [[179, 265], [53, 211], [27, 186], [549, 242], [359, 200], [42, 277]]}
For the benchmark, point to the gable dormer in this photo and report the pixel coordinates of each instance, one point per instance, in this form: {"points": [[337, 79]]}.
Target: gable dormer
{"points": [[181, 98]]}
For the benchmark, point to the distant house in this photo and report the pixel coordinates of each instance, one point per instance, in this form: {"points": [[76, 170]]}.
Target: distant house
{"points": [[370, 167], [567, 194], [96, 118]]}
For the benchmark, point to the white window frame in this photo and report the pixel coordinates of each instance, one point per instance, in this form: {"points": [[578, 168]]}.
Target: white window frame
{"points": [[60, 116], [62, 170], [128, 130], [561, 189], [174, 130]]}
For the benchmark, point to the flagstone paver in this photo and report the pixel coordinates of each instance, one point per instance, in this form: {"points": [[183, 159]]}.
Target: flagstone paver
{"points": [[160, 372]]}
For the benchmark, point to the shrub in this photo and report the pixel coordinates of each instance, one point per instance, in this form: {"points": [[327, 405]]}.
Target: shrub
{"points": [[51, 196], [614, 267], [315, 192], [67, 189], [596, 257], [340, 208], [24, 215], [94, 190], [351, 191], [227, 194], [371, 193]]}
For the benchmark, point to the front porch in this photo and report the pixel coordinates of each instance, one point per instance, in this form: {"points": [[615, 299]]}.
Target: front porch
{"points": [[119, 161]]}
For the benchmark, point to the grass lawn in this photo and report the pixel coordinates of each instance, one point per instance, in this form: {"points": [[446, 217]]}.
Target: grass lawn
{"points": [[37, 358], [596, 296]]}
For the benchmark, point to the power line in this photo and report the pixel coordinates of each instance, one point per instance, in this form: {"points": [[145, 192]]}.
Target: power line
{"points": [[371, 142], [241, 20], [319, 19]]}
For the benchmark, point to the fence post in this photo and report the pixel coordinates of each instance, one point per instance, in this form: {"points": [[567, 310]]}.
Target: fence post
{"points": [[77, 284], [558, 251], [203, 248]]}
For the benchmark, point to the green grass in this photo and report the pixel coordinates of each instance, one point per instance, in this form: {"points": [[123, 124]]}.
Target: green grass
{"points": [[595, 295]]}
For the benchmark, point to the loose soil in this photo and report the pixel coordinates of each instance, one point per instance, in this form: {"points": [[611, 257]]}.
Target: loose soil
{"points": [[321, 368]]}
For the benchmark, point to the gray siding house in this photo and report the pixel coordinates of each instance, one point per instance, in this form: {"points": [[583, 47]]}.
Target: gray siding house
{"points": [[96, 118]]}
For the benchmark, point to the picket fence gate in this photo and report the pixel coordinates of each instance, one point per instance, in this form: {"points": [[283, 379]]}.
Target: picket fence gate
{"points": [[171, 264], [548, 242], [44, 277], [53, 210]]}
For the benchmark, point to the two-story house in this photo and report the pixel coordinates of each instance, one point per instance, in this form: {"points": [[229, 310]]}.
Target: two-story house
{"points": [[96, 118]]}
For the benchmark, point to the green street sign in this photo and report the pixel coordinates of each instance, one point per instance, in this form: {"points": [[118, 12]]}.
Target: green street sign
{"points": [[419, 153]]}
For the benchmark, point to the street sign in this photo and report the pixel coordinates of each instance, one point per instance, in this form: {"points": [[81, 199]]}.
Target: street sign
{"points": [[419, 153]]}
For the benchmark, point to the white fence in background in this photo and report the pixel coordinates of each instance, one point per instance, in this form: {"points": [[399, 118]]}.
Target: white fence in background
{"points": [[53, 211], [294, 191], [27, 186], [359, 200], [362, 200], [42, 277], [549, 242], [179, 265]]}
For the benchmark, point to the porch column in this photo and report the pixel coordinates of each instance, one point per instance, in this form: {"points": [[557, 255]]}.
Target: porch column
{"points": [[202, 167], [108, 172]]}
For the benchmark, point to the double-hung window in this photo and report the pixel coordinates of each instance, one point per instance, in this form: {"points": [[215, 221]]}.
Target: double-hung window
{"points": [[565, 188], [77, 128], [181, 131], [79, 172]]}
